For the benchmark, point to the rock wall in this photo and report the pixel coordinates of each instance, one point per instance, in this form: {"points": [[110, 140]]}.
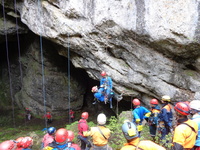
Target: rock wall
{"points": [[149, 48]]}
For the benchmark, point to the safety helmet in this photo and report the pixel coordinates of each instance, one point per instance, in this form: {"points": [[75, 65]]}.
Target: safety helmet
{"points": [[182, 108], [103, 74], [129, 130], [94, 89], [195, 104], [19, 142], [70, 136], [51, 130], [26, 142], [101, 119], [154, 101], [84, 115], [8, 145], [166, 98], [61, 135], [136, 102]]}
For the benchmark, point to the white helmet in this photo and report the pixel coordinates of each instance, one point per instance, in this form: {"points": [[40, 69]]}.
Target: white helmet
{"points": [[101, 119], [195, 104]]}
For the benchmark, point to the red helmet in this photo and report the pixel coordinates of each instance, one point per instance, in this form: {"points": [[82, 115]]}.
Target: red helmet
{"points": [[61, 135], [84, 115], [26, 142], [94, 89], [19, 142], [103, 74], [154, 101], [70, 136], [8, 145], [183, 108], [136, 102]]}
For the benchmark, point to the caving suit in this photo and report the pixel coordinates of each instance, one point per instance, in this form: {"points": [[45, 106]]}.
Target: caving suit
{"points": [[185, 134], [165, 118], [106, 85], [82, 127], [153, 120], [56, 146], [139, 114], [141, 145], [100, 136], [196, 118]]}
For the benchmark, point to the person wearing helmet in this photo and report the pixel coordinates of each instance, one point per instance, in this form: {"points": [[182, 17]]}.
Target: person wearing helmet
{"points": [[70, 140], [99, 134], [153, 119], [49, 137], [106, 86], [71, 113], [82, 127], [139, 114], [165, 117], [24, 143], [195, 111], [48, 117], [186, 130], [61, 141], [131, 134], [99, 95], [8, 145]]}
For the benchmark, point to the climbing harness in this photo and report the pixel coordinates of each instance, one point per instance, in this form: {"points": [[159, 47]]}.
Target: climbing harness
{"points": [[8, 62]]}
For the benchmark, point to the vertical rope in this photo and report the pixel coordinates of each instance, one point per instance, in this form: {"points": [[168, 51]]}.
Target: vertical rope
{"points": [[42, 61], [19, 49], [68, 55], [8, 62]]}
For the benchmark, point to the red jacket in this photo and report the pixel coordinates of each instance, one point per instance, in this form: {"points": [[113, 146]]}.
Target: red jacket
{"points": [[82, 126], [48, 116]]}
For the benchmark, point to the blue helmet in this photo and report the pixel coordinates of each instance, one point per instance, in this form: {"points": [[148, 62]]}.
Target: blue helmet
{"points": [[129, 130], [51, 130]]}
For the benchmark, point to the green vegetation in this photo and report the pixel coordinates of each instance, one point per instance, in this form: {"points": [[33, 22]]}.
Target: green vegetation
{"points": [[116, 140]]}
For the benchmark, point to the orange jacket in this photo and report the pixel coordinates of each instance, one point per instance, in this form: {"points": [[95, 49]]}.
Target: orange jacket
{"points": [[144, 144], [184, 135]]}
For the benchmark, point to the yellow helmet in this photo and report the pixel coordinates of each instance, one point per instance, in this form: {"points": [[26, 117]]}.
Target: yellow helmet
{"points": [[166, 98]]}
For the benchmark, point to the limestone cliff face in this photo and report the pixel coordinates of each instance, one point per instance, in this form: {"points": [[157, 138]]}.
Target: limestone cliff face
{"points": [[149, 48]]}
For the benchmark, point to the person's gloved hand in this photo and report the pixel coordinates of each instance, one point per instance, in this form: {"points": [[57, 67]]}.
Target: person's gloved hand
{"points": [[139, 127]]}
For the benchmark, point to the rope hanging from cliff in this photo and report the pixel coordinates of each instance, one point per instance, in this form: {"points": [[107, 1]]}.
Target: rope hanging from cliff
{"points": [[42, 62], [68, 56], [8, 63], [19, 49]]}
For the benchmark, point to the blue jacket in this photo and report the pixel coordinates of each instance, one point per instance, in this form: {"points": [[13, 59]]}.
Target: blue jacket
{"points": [[153, 119], [139, 113], [166, 115], [196, 118]]}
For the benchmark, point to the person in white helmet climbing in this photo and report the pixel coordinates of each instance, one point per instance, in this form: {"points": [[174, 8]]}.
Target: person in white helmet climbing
{"points": [[195, 111], [100, 134]]}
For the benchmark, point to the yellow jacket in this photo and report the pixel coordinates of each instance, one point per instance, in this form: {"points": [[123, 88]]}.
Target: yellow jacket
{"points": [[184, 135], [97, 138], [144, 144]]}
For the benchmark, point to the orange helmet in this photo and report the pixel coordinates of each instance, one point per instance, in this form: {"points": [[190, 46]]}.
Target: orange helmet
{"points": [[103, 74], [70, 136], [19, 142], [84, 115], [154, 101], [94, 89], [182, 108], [136, 102], [8, 145], [61, 135]]}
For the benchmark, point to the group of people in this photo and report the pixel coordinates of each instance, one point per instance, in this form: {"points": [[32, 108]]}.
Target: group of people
{"points": [[186, 132]]}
